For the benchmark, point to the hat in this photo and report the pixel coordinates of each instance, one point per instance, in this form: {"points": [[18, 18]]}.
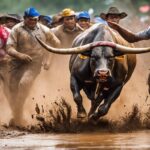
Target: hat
{"points": [[31, 12], [56, 18], [15, 17], [47, 18], [83, 14], [67, 12], [113, 11]]}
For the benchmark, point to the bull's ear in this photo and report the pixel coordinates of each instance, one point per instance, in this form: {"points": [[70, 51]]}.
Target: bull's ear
{"points": [[118, 53]]}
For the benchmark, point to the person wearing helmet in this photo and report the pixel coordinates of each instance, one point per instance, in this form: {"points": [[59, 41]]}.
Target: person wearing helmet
{"points": [[69, 29], [45, 20], [84, 20], [27, 58]]}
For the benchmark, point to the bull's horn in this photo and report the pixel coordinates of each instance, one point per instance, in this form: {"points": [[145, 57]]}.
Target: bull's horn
{"points": [[129, 50], [74, 50]]}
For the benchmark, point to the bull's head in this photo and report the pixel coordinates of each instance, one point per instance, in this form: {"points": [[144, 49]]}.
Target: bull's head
{"points": [[102, 60]]}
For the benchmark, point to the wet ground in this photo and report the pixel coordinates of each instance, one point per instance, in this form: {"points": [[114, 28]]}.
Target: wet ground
{"points": [[134, 140]]}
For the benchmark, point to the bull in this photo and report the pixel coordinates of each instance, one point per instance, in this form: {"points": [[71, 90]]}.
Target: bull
{"points": [[99, 67]]}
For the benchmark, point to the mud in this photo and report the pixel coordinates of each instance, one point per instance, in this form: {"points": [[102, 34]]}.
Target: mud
{"points": [[134, 140], [7, 132]]}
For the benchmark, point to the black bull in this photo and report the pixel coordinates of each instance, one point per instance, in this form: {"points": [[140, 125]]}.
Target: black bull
{"points": [[97, 70]]}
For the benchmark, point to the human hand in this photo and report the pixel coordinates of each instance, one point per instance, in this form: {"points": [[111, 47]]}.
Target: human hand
{"points": [[113, 25], [25, 57]]}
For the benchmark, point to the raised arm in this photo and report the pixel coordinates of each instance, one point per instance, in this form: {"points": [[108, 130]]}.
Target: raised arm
{"points": [[130, 36]]}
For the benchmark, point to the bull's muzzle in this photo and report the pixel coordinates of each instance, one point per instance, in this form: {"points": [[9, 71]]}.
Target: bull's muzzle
{"points": [[102, 75]]}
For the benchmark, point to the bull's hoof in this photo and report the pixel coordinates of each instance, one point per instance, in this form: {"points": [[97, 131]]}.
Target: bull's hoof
{"points": [[93, 118], [94, 105], [92, 110], [81, 114]]}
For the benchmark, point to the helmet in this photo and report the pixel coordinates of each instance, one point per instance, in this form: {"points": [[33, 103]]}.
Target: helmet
{"points": [[31, 12], [67, 12], [48, 19], [83, 14]]}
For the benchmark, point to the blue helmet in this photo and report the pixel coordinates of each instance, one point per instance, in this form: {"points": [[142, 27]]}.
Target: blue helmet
{"points": [[83, 14], [31, 12], [48, 19]]}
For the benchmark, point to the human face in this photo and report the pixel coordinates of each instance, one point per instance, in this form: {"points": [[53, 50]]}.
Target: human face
{"points": [[44, 22], [84, 23], [31, 22], [113, 18], [10, 23], [69, 22]]}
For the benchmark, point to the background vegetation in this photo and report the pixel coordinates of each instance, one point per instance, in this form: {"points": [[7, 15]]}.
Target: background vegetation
{"points": [[53, 6]]}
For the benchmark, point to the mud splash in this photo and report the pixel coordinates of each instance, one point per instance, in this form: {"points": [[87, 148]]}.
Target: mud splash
{"points": [[60, 120]]}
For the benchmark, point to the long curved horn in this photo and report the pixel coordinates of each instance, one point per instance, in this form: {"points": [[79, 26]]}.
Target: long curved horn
{"points": [[83, 48], [74, 50], [129, 50]]}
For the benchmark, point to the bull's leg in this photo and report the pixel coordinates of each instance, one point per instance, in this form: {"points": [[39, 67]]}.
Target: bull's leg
{"points": [[103, 109], [81, 113], [94, 105], [90, 92]]}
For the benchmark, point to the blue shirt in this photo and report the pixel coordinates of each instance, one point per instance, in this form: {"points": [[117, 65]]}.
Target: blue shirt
{"points": [[145, 34]]}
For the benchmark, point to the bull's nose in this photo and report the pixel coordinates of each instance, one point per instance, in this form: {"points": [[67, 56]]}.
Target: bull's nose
{"points": [[103, 73]]}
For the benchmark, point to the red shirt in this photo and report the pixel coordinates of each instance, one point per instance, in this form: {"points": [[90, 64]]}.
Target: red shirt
{"points": [[4, 33]]}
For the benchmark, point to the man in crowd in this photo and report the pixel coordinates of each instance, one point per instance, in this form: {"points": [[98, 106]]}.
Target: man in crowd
{"points": [[56, 20], [4, 58], [113, 15], [45, 20], [83, 19], [10, 20], [27, 57], [69, 29]]}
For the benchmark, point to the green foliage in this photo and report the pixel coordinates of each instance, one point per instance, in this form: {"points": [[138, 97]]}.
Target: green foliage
{"points": [[55, 6], [49, 6]]}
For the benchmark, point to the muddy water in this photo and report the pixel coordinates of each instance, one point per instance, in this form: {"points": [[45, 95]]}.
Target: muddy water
{"points": [[135, 140]]}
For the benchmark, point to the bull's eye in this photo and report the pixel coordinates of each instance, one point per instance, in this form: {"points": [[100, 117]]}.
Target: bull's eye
{"points": [[93, 61], [110, 61], [95, 57]]}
